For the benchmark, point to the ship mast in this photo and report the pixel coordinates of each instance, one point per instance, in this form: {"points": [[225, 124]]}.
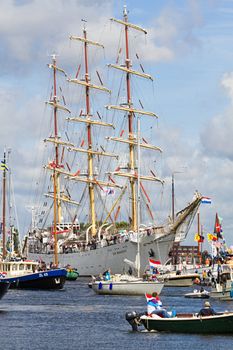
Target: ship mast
{"points": [[131, 111], [89, 141], [130, 127], [138, 198], [56, 202], [55, 165], [199, 232], [86, 117], [4, 168]]}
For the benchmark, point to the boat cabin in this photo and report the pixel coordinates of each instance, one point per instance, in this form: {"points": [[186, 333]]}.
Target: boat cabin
{"points": [[18, 268]]}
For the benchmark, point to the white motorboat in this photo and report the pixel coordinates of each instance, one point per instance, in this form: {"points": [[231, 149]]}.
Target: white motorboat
{"points": [[198, 294], [222, 287], [179, 280]]}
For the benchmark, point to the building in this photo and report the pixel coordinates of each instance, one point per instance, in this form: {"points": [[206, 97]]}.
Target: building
{"points": [[187, 253]]}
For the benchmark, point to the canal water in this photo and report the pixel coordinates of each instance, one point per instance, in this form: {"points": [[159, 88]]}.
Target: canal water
{"points": [[77, 318]]}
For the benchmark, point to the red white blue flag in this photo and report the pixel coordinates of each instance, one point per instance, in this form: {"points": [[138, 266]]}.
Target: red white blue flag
{"points": [[153, 300], [3, 274], [154, 263], [149, 297], [106, 191], [206, 200]]}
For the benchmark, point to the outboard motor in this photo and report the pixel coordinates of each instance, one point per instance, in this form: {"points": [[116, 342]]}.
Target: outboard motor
{"points": [[134, 319]]}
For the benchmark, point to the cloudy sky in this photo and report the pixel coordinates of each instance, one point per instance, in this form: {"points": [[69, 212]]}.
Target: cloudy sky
{"points": [[188, 50]]}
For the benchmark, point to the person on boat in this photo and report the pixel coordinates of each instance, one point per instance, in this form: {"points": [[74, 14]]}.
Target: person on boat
{"points": [[107, 275], [197, 281], [130, 271], [207, 310], [98, 278], [154, 306], [204, 276], [155, 271]]}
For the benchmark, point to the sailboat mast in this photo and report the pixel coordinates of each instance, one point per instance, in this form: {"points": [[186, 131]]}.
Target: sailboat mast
{"points": [[130, 128], [55, 218], [55, 108], [138, 198], [56, 207], [89, 140], [4, 208], [173, 198]]}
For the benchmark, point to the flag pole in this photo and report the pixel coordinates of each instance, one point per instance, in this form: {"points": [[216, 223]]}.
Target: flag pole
{"points": [[198, 232]]}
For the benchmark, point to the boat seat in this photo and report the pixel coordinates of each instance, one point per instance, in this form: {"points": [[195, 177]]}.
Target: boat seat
{"points": [[184, 315]]}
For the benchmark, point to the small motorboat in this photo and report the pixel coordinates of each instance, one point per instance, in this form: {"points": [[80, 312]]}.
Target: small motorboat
{"points": [[184, 323], [174, 279], [198, 294], [222, 287], [72, 274]]}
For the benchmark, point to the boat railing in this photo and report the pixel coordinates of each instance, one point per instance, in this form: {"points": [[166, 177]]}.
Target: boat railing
{"points": [[85, 245]]}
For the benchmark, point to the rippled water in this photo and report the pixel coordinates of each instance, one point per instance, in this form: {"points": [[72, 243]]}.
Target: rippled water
{"points": [[77, 318]]}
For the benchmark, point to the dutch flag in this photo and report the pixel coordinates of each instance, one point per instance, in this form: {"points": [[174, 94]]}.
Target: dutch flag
{"points": [[206, 200], [154, 263], [149, 297]]}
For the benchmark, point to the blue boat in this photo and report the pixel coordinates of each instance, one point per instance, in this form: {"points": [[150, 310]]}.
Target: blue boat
{"points": [[26, 275]]}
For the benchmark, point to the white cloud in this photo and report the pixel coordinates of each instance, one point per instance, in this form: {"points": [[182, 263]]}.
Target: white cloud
{"points": [[227, 83], [217, 138], [39, 27], [173, 32]]}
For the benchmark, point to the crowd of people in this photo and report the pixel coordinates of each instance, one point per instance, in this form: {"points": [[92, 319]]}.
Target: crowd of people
{"points": [[105, 239]]}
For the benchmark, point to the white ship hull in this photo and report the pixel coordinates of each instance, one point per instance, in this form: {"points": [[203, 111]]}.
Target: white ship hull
{"points": [[155, 245], [96, 261]]}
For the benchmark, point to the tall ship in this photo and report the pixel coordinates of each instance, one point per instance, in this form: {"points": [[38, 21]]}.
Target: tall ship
{"points": [[94, 172]]}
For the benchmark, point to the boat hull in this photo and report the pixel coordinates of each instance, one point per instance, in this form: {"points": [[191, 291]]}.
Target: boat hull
{"points": [[218, 324], [180, 280], [197, 295], [126, 288], [224, 295], [94, 262], [153, 244], [72, 275], [51, 279], [4, 286]]}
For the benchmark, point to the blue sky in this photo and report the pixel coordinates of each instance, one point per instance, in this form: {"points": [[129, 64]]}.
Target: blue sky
{"points": [[189, 51]]}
